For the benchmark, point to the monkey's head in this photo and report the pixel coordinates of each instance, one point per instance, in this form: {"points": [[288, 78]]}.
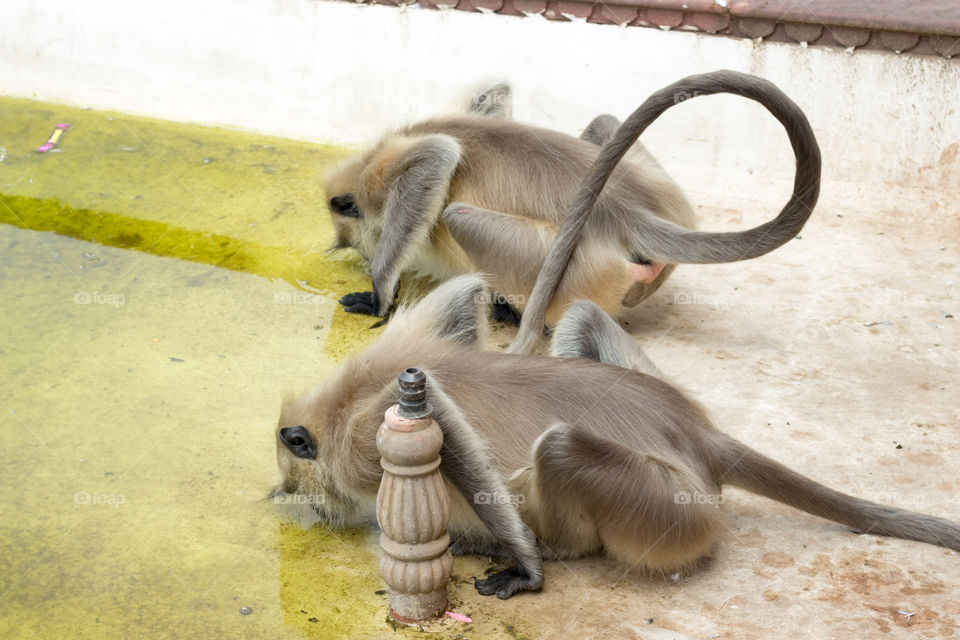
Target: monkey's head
{"points": [[354, 206], [346, 217], [307, 492]]}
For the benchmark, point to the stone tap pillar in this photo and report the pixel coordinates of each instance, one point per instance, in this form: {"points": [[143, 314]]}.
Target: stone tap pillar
{"points": [[413, 507]]}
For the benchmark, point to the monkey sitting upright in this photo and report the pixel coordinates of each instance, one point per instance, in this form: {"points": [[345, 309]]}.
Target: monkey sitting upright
{"points": [[470, 193], [607, 456]]}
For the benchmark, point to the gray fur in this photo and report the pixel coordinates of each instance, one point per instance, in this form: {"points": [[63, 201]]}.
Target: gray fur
{"points": [[457, 312], [531, 174], [465, 463], [585, 331], [601, 129], [658, 239], [607, 459], [413, 204]]}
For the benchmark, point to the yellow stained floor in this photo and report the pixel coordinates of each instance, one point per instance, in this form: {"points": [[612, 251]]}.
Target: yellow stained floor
{"points": [[163, 286]]}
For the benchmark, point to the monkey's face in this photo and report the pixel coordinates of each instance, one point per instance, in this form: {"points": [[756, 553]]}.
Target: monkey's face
{"points": [[351, 208], [347, 218], [307, 493]]}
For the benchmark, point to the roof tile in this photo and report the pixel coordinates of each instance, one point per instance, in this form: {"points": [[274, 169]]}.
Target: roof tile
{"points": [[945, 45], [753, 27], [804, 32], [662, 17], [928, 28], [530, 7], [899, 41], [615, 14], [849, 37], [709, 22]]}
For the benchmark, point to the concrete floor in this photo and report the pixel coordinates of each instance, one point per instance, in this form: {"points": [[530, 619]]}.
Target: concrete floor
{"points": [[838, 355]]}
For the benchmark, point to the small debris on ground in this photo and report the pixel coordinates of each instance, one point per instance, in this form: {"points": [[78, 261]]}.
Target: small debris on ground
{"points": [[459, 617], [54, 137]]}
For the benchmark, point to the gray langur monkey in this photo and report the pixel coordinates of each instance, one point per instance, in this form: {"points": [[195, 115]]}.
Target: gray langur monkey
{"points": [[453, 195], [607, 456]]}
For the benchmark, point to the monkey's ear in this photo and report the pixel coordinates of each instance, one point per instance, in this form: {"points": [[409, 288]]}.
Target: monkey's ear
{"points": [[418, 172], [456, 310]]}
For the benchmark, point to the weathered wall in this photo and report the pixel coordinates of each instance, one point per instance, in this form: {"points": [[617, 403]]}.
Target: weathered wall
{"points": [[888, 124]]}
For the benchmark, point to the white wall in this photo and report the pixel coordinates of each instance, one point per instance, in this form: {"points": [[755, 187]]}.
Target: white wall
{"points": [[331, 71]]}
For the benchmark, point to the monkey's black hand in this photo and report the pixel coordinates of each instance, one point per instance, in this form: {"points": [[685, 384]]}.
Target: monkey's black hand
{"points": [[507, 582], [360, 302], [370, 302]]}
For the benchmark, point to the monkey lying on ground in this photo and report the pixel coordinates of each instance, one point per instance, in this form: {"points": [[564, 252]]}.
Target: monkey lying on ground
{"points": [[401, 204], [607, 456]]}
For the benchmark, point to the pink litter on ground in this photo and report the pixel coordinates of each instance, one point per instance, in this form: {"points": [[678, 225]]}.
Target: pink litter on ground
{"points": [[459, 616], [54, 137]]}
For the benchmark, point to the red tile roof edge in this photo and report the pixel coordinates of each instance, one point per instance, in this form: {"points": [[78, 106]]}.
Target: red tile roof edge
{"points": [[932, 28]]}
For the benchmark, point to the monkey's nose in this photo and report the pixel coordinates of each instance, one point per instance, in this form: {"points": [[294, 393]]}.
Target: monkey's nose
{"points": [[299, 441]]}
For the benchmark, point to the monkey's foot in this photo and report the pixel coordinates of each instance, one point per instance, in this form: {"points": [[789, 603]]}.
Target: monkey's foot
{"points": [[360, 302], [508, 582]]}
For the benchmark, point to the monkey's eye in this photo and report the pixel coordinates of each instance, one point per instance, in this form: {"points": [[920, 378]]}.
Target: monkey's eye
{"points": [[299, 441], [345, 206]]}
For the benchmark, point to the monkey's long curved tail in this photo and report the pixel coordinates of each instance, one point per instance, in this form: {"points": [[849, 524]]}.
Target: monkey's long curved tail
{"points": [[741, 466], [659, 239]]}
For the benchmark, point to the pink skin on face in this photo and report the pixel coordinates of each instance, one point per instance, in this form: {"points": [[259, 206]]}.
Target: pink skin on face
{"points": [[645, 272]]}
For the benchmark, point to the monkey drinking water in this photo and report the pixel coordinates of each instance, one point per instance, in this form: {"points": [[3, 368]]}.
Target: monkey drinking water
{"points": [[608, 457], [471, 193]]}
